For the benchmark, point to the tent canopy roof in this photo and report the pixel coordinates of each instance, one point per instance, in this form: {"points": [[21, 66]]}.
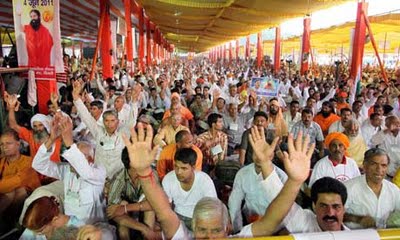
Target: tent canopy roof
{"points": [[333, 38], [199, 25]]}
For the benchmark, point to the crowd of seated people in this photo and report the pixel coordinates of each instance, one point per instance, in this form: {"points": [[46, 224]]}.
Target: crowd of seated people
{"points": [[193, 149]]}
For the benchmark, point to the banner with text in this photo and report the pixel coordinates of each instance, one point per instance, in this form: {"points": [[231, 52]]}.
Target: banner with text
{"points": [[37, 31], [264, 86], [38, 38]]}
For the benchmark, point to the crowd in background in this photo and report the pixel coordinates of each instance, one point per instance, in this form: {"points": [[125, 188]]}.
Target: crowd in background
{"points": [[192, 148]]}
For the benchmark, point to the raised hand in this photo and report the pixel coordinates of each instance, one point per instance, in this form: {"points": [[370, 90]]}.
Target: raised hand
{"points": [[66, 130], [263, 151], [77, 89], [141, 155], [12, 100], [54, 98], [55, 130], [297, 161], [136, 90]]}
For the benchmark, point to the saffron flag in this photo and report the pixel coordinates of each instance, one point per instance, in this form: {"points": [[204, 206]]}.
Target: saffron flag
{"points": [[38, 37]]}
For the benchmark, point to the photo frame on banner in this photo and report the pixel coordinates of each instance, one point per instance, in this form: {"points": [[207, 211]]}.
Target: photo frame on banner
{"points": [[38, 40], [265, 86]]}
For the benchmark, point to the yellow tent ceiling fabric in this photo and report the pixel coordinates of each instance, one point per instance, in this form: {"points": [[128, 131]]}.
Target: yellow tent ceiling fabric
{"points": [[214, 22], [332, 39]]}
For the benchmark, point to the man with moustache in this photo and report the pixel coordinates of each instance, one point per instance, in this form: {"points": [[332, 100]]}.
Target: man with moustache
{"points": [[389, 140], [328, 197], [336, 165], [308, 127], [345, 116], [371, 198], [185, 186]]}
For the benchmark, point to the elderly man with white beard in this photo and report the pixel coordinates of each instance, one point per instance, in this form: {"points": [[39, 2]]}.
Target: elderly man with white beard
{"points": [[40, 129], [357, 146]]}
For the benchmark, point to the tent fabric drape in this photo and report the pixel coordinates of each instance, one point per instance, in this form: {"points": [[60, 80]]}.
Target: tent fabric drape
{"points": [[306, 48], [106, 46]]}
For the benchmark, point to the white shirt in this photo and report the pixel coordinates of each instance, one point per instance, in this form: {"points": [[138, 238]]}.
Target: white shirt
{"points": [[360, 118], [342, 172], [328, 97], [362, 201], [108, 147], [185, 201], [235, 99], [247, 186], [298, 220], [284, 87], [390, 144], [269, 186], [86, 186], [336, 127], [123, 114], [184, 233], [367, 131], [88, 137], [291, 121]]}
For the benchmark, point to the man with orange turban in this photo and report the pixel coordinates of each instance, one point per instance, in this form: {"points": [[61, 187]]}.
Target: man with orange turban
{"points": [[336, 165]]}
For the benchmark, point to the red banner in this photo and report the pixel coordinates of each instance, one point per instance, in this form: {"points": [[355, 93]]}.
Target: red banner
{"points": [[106, 45], [237, 49], [358, 41], [37, 30], [129, 48], [141, 39], [247, 52], [148, 44], [259, 49], [230, 51], [305, 50], [277, 52]]}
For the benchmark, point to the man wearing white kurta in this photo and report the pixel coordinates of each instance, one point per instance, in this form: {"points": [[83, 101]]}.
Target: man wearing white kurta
{"points": [[371, 198], [247, 186], [336, 164], [389, 140], [108, 138], [370, 127], [83, 180]]}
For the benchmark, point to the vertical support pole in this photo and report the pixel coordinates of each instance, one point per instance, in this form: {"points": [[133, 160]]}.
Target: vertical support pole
{"points": [[305, 50], [371, 35], [141, 39], [106, 46], [277, 52], [230, 51], [148, 44], [247, 52], [237, 50], [358, 42], [129, 47], [99, 34], [259, 49]]}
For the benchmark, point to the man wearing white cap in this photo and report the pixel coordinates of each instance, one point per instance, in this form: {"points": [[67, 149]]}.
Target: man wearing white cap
{"points": [[40, 132]]}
